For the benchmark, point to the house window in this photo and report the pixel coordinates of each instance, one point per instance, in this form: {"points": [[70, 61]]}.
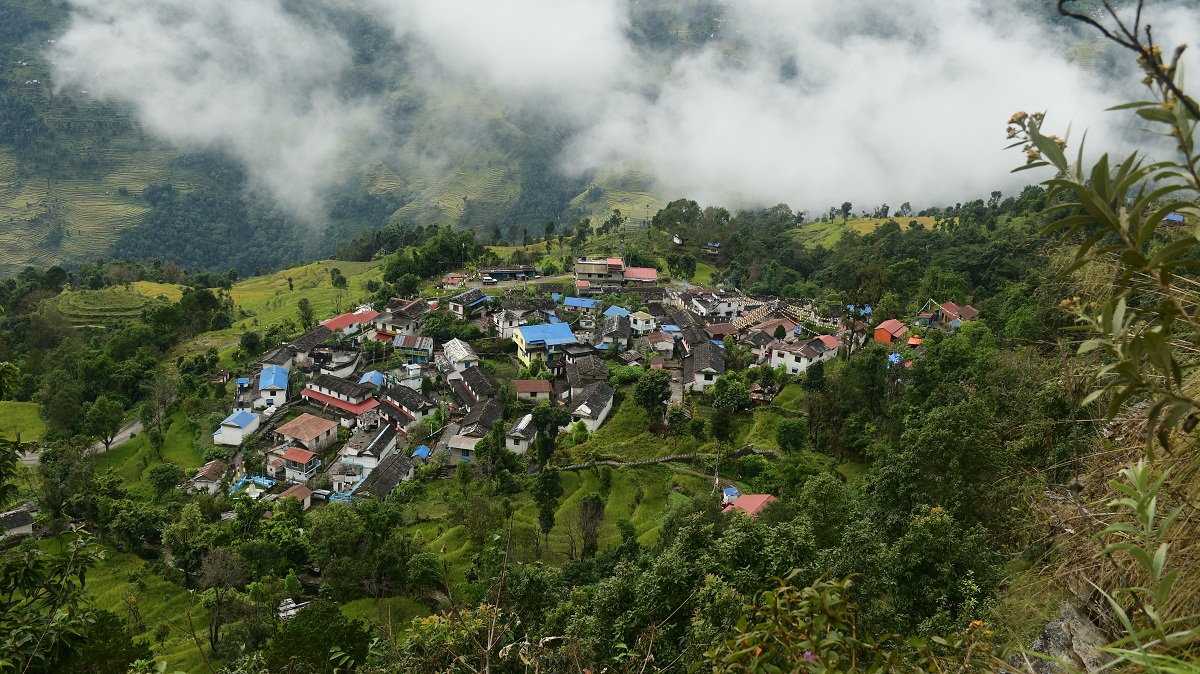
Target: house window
{"points": [[708, 377], [466, 454]]}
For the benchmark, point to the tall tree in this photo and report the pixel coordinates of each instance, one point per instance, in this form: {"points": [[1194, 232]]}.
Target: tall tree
{"points": [[652, 390], [306, 314], [547, 489], [221, 574], [104, 419]]}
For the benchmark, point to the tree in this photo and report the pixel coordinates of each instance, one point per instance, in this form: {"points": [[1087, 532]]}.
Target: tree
{"points": [[652, 391], [10, 376], [251, 344], [791, 434], [306, 314], [677, 423], [164, 478], [306, 642], [547, 489], [591, 518], [221, 575], [814, 377], [732, 397], [845, 210], [104, 419], [780, 332], [548, 233], [189, 536], [407, 285]]}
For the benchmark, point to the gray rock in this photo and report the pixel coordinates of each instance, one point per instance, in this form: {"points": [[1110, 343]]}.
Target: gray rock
{"points": [[1073, 639]]}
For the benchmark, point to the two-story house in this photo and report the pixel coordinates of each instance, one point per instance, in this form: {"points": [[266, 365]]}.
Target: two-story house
{"points": [[545, 342], [405, 407], [702, 367], [521, 435], [467, 304], [350, 398]]}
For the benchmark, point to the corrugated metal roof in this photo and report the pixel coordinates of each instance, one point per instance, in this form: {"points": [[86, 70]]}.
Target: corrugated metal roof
{"points": [[273, 377]]}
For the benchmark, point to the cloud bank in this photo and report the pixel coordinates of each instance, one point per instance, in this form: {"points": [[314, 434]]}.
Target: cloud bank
{"points": [[809, 103]]}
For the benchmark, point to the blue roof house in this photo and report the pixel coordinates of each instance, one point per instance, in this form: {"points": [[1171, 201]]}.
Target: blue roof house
{"points": [[374, 378], [580, 305], [730, 494], [272, 387], [422, 452], [235, 428], [616, 311], [544, 341]]}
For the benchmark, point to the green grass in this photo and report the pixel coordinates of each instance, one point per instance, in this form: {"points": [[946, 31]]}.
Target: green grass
{"points": [[84, 307], [852, 470], [624, 436], [827, 233], [112, 580], [790, 399], [152, 289], [704, 274], [21, 418], [398, 611], [133, 460], [269, 302]]}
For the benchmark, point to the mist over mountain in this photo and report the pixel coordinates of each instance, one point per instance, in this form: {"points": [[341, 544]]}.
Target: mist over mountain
{"points": [[745, 103]]}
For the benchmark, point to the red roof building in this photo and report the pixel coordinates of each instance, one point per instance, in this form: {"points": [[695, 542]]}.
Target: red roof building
{"points": [[830, 342], [751, 504], [350, 320], [889, 331], [641, 275], [532, 386], [298, 455], [350, 408]]}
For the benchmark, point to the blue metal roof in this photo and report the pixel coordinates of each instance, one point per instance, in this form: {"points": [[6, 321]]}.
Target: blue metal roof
{"points": [[555, 319], [556, 296], [732, 491], [273, 376], [422, 451], [240, 419], [243, 381], [1173, 217], [580, 303], [374, 377], [551, 334], [616, 311], [894, 358], [671, 328], [866, 309]]}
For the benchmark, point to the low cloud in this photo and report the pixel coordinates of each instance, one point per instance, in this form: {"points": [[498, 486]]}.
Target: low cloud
{"points": [[809, 103]]}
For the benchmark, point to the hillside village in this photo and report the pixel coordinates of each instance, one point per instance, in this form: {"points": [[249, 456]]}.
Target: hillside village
{"points": [[320, 420]]}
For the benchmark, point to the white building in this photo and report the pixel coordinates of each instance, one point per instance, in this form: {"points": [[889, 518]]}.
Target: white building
{"points": [[234, 429]]}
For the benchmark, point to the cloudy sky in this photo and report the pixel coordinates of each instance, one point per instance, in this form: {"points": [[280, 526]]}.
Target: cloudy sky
{"points": [[806, 102]]}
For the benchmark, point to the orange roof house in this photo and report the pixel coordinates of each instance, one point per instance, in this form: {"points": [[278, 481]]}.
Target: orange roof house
{"points": [[751, 504], [305, 428], [889, 331]]}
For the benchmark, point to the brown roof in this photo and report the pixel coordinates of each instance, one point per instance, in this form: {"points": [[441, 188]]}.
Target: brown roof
{"points": [[532, 386], [298, 454], [893, 327], [298, 490], [306, 427], [212, 471], [722, 329]]}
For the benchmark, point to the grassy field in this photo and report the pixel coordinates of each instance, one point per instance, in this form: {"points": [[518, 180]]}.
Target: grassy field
{"points": [[21, 418], [790, 398], [398, 611], [827, 233], [94, 307], [115, 579], [704, 274], [151, 289], [133, 460], [268, 301]]}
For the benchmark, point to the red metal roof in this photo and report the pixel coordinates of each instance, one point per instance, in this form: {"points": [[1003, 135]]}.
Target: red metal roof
{"points": [[641, 273], [752, 504], [368, 404], [299, 455], [305, 427], [532, 386], [346, 320], [893, 327], [830, 341], [298, 490]]}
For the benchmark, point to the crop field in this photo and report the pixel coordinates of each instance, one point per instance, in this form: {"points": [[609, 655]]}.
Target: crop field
{"points": [[269, 302], [22, 418], [152, 289], [94, 307], [628, 191], [827, 233]]}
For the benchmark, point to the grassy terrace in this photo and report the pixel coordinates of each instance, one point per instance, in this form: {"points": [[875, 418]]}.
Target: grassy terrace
{"points": [[94, 307], [827, 233], [22, 418], [133, 460]]}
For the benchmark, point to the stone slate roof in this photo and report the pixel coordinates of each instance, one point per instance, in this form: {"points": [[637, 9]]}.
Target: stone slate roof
{"points": [[647, 293], [481, 382], [279, 356], [458, 351], [616, 327], [479, 420], [384, 478], [550, 288], [595, 397], [694, 337], [313, 338], [579, 350], [468, 297], [529, 304], [407, 397], [15, 518], [407, 308], [708, 356], [588, 368], [759, 338], [683, 318], [341, 386]]}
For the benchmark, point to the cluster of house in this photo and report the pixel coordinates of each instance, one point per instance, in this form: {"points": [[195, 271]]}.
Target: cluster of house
{"points": [[573, 336]]}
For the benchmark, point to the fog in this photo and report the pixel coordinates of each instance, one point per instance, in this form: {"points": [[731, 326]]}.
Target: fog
{"points": [[809, 103]]}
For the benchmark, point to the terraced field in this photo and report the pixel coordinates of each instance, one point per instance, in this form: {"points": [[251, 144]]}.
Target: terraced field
{"points": [[152, 289], [269, 302], [628, 190], [95, 307], [827, 233]]}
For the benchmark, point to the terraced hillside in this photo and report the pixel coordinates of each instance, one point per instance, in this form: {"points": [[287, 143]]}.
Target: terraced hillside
{"points": [[827, 233], [96, 307]]}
